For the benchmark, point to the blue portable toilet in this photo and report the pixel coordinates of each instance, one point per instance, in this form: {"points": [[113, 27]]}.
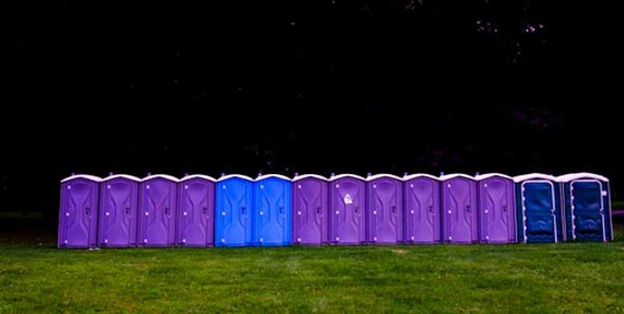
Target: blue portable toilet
{"points": [[538, 204], [233, 206], [272, 211], [587, 207]]}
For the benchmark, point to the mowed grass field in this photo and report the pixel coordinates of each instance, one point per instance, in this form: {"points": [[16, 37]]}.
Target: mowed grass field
{"points": [[538, 278]]}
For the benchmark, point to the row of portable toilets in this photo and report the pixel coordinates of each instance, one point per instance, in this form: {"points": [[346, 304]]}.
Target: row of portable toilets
{"points": [[274, 210]]}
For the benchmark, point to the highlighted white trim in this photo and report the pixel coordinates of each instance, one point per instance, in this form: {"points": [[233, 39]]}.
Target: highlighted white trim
{"points": [[267, 176], [346, 175], [418, 175], [383, 175], [82, 176], [531, 176], [305, 176], [163, 176], [125, 176], [581, 175], [231, 176], [198, 176], [456, 175], [492, 174]]}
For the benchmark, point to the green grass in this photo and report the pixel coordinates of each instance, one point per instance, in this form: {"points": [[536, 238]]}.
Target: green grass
{"points": [[618, 205], [565, 277]]}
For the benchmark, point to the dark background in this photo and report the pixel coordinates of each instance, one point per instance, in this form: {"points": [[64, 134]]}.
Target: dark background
{"points": [[310, 86]]}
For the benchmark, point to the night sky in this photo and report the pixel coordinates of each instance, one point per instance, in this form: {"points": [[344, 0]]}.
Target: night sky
{"points": [[315, 86]]}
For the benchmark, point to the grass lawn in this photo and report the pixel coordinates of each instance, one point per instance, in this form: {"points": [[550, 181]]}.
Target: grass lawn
{"points": [[566, 277]]}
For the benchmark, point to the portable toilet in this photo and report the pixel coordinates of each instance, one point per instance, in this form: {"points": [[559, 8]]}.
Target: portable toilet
{"points": [[459, 207], [309, 209], [422, 209], [157, 204], [196, 211], [384, 209], [117, 224], [78, 212], [272, 213], [347, 212], [538, 208], [497, 214], [233, 206], [587, 207]]}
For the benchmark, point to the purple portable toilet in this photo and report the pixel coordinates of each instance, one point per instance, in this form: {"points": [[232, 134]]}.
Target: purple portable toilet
{"points": [[459, 208], [384, 209], [78, 212], [118, 211], [497, 214], [309, 210], [196, 211], [422, 209], [347, 212], [157, 210]]}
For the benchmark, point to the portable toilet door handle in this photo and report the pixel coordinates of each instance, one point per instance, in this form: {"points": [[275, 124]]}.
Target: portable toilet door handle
{"points": [[467, 208], [356, 209], [167, 210], [318, 210], [281, 210], [87, 211], [205, 209], [243, 210], [394, 209], [127, 210], [431, 208], [505, 208]]}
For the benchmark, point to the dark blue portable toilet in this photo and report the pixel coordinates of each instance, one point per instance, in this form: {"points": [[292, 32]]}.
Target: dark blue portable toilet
{"points": [[538, 208], [233, 206], [587, 207], [272, 212]]}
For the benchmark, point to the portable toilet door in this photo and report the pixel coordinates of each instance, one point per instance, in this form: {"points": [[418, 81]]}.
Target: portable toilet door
{"points": [[497, 214], [118, 211], [347, 201], [233, 206], [538, 209], [459, 207], [309, 210], [272, 214], [422, 209], [78, 212], [196, 211], [587, 207], [157, 205], [384, 209]]}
